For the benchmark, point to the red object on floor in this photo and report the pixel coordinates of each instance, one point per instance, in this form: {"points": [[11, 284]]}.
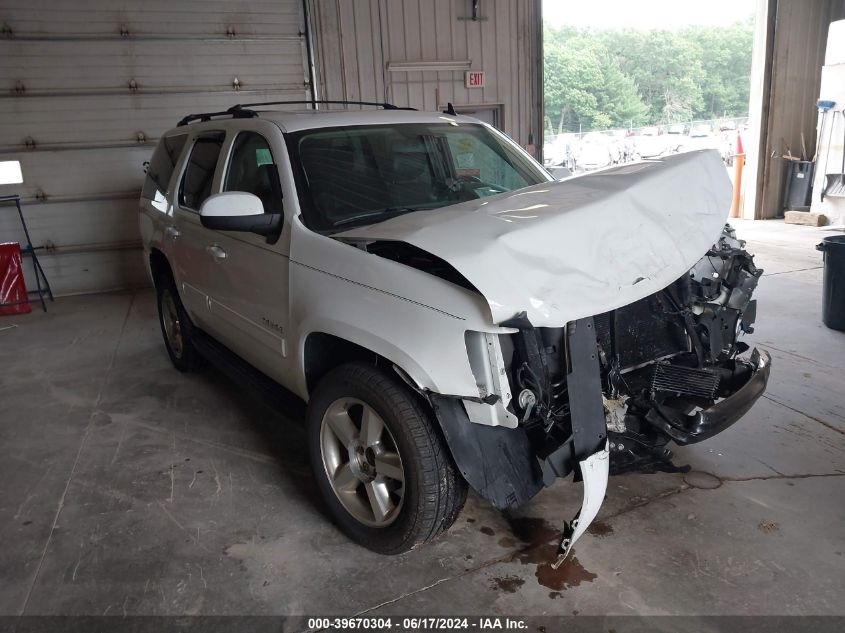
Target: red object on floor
{"points": [[12, 286]]}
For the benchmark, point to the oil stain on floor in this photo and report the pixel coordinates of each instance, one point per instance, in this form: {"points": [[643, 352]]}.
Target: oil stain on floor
{"points": [[541, 547], [600, 529], [570, 574], [508, 584]]}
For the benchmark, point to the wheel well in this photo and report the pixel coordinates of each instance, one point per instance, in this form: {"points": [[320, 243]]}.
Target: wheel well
{"points": [[159, 266], [324, 352]]}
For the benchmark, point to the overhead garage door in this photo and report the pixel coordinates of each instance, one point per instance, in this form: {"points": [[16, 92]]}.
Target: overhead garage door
{"points": [[89, 86]]}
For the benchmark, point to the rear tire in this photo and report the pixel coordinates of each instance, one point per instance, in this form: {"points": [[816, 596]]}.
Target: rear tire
{"points": [[381, 464], [176, 327]]}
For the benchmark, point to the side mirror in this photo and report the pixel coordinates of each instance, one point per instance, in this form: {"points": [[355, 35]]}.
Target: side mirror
{"points": [[239, 211]]}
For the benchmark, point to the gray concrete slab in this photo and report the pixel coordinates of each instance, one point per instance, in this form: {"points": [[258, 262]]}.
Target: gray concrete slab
{"points": [[131, 488]]}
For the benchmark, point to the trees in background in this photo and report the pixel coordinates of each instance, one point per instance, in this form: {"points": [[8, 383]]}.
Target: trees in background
{"points": [[584, 83], [597, 79]]}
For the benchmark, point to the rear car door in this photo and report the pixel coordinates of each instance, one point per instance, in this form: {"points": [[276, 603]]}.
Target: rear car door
{"points": [[157, 195], [194, 263], [248, 287]]}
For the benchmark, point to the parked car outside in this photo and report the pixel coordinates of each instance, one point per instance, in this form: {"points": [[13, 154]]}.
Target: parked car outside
{"points": [[701, 137], [597, 151], [652, 146], [700, 130]]}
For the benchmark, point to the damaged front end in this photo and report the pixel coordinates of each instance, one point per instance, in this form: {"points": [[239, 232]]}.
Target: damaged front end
{"points": [[673, 365], [606, 394], [609, 334]]}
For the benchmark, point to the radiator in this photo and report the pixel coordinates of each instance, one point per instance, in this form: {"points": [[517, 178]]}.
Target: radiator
{"points": [[687, 381]]}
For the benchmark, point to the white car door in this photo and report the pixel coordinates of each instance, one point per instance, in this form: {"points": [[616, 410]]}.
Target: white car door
{"points": [[248, 283], [189, 239]]}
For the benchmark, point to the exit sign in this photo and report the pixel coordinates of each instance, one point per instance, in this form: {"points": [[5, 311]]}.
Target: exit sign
{"points": [[474, 78]]}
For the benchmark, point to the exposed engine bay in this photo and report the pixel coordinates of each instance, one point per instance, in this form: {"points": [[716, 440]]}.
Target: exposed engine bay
{"points": [[664, 362]]}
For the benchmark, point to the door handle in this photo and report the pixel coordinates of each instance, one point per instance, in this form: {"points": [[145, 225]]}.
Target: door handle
{"points": [[172, 232], [216, 252]]}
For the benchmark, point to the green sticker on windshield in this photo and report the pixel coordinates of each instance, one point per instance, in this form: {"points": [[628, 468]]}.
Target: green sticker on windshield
{"points": [[263, 157]]}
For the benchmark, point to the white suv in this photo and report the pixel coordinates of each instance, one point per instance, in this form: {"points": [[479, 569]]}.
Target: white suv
{"points": [[451, 314]]}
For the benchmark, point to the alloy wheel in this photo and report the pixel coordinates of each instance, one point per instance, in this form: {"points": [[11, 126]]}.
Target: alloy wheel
{"points": [[362, 462]]}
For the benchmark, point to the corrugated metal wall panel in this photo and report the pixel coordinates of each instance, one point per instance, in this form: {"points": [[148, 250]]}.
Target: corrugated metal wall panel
{"points": [[73, 224], [82, 172], [152, 17], [93, 271], [503, 43], [66, 70], [110, 118], [73, 65]]}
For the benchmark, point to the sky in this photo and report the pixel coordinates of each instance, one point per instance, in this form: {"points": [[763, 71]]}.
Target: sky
{"points": [[645, 14]]}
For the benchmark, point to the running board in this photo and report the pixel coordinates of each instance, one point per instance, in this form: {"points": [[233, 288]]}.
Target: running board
{"points": [[245, 375]]}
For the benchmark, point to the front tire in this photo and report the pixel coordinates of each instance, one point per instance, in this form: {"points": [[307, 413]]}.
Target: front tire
{"points": [[381, 464]]}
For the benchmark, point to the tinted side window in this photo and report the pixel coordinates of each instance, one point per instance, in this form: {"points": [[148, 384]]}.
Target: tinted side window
{"points": [[162, 164], [199, 173], [253, 170]]}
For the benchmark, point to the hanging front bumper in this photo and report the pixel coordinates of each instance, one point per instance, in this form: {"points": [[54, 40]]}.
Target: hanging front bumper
{"points": [[704, 424]]}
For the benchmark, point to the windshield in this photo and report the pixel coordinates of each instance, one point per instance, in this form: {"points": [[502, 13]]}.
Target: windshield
{"points": [[349, 176]]}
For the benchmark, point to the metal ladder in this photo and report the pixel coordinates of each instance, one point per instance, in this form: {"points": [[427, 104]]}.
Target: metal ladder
{"points": [[42, 285]]}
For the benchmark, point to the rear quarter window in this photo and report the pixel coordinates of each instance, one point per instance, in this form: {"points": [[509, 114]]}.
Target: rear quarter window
{"points": [[161, 166]]}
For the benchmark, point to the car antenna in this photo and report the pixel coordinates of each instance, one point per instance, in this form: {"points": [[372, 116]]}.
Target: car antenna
{"points": [[450, 109]]}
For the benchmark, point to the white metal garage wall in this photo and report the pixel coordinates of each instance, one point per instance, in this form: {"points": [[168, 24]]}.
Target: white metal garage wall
{"points": [[415, 52], [86, 88]]}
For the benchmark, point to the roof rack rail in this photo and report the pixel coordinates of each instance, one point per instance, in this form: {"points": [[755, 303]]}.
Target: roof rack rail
{"points": [[242, 110], [314, 102], [207, 116]]}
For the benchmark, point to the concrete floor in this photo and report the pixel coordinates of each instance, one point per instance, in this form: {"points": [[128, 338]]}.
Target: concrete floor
{"points": [[130, 488]]}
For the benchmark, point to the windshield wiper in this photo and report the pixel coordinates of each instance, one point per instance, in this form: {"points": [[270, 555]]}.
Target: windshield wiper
{"points": [[382, 214]]}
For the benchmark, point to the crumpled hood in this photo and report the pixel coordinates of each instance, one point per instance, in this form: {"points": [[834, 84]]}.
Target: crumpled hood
{"points": [[560, 251]]}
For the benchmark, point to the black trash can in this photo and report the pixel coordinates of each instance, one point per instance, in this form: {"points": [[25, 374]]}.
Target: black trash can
{"points": [[833, 298], [798, 186]]}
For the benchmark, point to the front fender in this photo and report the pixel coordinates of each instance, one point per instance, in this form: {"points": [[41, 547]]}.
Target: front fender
{"points": [[396, 354], [413, 319]]}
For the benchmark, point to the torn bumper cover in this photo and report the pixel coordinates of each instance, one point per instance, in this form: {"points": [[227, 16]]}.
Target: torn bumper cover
{"points": [[501, 465], [595, 471]]}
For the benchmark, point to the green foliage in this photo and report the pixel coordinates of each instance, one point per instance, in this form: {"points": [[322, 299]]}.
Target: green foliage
{"points": [[615, 78], [725, 66], [584, 84]]}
